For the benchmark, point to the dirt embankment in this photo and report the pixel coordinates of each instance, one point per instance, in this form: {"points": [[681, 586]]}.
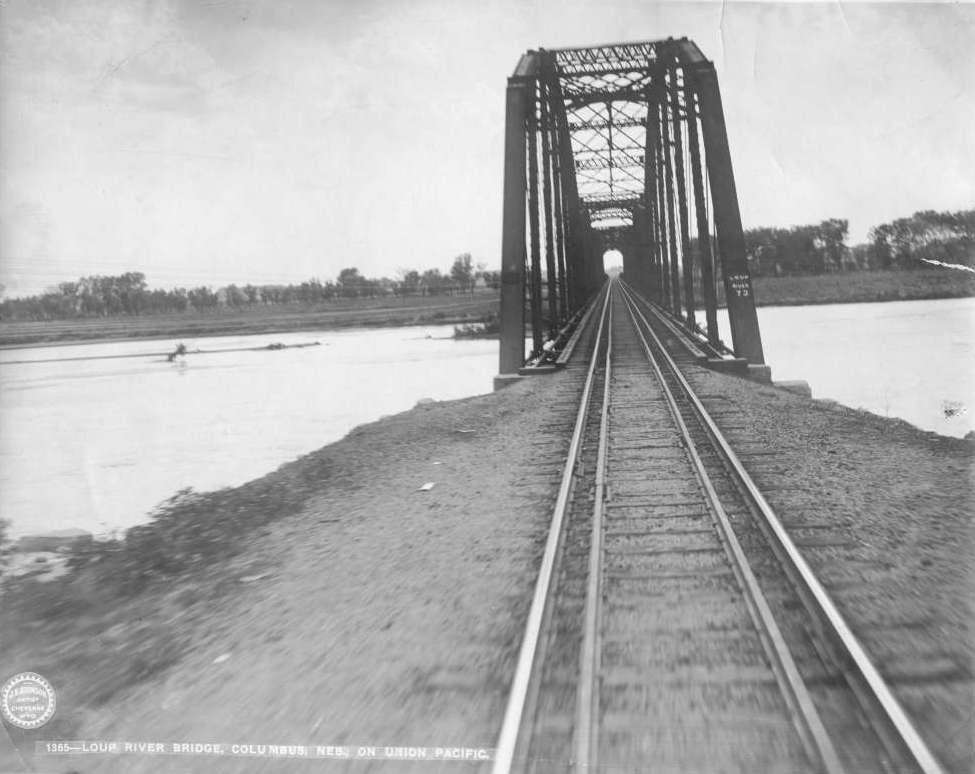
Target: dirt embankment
{"points": [[332, 603]]}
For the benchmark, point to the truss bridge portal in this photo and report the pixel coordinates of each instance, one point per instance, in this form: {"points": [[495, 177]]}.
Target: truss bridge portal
{"points": [[620, 147]]}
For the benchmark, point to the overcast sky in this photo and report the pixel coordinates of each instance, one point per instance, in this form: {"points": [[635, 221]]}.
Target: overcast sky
{"points": [[211, 141]]}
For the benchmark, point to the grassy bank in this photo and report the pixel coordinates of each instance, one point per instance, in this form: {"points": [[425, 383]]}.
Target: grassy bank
{"points": [[340, 313], [862, 286], [841, 288]]}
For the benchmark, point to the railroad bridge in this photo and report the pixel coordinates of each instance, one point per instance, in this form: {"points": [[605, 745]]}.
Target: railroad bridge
{"points": [[679, 621], [624, 147]]}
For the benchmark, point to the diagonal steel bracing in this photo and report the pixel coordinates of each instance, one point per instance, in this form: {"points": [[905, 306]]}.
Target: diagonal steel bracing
{"points": [[619, 146]]}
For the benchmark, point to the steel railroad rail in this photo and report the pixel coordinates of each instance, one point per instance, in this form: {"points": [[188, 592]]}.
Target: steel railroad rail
{"points": [[665, 628]]}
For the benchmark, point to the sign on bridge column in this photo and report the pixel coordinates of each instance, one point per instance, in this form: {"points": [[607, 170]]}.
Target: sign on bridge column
{"points": [[745, 335]]}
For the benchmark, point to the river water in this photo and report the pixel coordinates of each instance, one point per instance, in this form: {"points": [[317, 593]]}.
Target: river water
{"points": [[97, 443], [909, 359]]}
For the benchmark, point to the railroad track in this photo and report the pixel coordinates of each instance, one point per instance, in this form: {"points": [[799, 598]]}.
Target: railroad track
{"points": [[675, 626]]}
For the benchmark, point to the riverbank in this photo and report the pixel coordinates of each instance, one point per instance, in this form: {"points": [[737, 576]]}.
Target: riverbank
{"points": [[469, 313], [376, 613], [341, 313], [861, 287], [334, 602]]}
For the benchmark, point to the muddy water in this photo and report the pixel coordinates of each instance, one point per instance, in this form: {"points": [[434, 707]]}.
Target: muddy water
{"points": [[907, 359], [97, 443]]}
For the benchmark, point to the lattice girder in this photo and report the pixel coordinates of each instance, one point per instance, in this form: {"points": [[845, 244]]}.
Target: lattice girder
{"points": [[610, 144]]}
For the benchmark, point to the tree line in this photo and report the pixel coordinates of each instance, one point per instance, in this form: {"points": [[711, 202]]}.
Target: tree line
{"points": [[129, 293], [808, 249], [900, 244]]}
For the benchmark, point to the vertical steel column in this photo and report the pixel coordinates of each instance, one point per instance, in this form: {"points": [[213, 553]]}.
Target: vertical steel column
{"points": [[630, 271], [589, 256], [650, 203], [599, 247], [561, 225], [642, 247], [512, 348], [560, 217], [703, 227], [654, 280], [533, 203], [746, 338], [575, 238], [571, 274], [551, 283], [664, 217], [687, 260], [671, 215], [582, 256], [594, 260], [578, 228], [575, 243]]}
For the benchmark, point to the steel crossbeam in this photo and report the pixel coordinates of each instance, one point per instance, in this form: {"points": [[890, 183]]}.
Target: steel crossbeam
{"points": [[619, 146]]}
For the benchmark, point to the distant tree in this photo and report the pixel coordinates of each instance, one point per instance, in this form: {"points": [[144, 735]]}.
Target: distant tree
{"points": [[181, 300], [234, 296], [409, 282], [462, 272], [202, 298], [942, 236], [830, 243], [492, 279], [129, 294], [808, 249], [432, 282], [349, 282], [860, 257], [310, 291], [130, 289]]}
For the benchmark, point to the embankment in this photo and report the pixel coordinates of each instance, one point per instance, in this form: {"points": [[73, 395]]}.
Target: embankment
{"points": [[332, 602]]}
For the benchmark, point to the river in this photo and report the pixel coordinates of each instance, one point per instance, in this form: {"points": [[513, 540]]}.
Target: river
{"points": [[97, 443], [907, 359]]}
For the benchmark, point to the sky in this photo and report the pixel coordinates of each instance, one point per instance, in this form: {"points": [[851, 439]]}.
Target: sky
{"points": [[265, 141]]}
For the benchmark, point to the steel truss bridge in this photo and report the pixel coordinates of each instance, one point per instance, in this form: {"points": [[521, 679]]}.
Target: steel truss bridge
{"points": [[624, 147]]}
